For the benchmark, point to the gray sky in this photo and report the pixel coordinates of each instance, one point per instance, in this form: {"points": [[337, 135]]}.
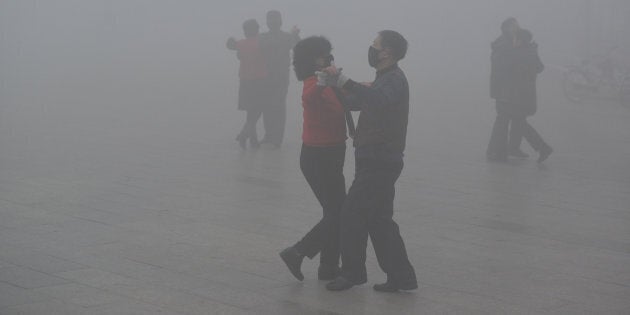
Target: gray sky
{"points": [[90, 66]]}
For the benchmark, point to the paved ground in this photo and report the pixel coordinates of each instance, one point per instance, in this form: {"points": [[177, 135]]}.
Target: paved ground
{"points": [[123, 210]]}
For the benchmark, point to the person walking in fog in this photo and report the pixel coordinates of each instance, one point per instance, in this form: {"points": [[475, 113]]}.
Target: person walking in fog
{"points": [[379, 145], [253, 91], [276, 45], [502, 48], [321, 159], [525, 67], [513, 86]]}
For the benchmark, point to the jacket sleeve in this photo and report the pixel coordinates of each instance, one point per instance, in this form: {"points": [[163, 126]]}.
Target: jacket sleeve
{"points": [[539, 66], [231, 44], [235, 45], [387, 92], [533, 59]]}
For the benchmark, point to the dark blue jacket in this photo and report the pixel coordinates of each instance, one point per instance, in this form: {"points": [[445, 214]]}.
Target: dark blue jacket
{"points": [[384, 106]]}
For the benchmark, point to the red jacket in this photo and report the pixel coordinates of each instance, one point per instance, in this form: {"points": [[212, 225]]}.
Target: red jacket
{"points": [[324, 117]]}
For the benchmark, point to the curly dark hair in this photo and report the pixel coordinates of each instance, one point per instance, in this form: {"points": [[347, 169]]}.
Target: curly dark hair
{"points": [[306, 52], [250, 28]]}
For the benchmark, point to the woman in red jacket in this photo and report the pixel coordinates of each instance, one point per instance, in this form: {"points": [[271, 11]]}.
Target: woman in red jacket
{"points": [[253, 91], [321, 159]]}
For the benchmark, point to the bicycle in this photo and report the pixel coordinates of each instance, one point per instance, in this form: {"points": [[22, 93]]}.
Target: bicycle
{"points": [[597, 78]]}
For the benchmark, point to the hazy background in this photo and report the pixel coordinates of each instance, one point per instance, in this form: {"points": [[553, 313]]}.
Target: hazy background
{"points": [[85, 83], [122, 188]]}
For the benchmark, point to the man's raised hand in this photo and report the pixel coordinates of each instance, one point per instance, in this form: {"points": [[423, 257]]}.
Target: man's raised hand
{"points": [[336, 77]]}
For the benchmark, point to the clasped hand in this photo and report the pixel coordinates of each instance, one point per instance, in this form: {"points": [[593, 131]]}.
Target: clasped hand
{"points": [[331, 76]]}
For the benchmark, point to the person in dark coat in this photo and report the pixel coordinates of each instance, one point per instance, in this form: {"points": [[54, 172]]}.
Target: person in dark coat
{"points": [[321, 158], [379, 145], [525, 65], [276, 45], [253, 91], [500, 91]]}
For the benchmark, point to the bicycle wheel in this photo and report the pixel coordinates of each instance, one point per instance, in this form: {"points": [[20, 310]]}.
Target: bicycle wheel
{"points": [[576, 86]]}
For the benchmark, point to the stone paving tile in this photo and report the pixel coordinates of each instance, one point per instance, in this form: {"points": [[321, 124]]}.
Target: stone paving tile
{"points": [[28, 278], [11, 295], [132, 307], [243, 279], [96, 278], [137, 220], [176, 300], [52, 307], [311, 295], [226, 293], [586, 309], [36, 260], [80, 294], [289, 307], [142, 272], [476, 302]]}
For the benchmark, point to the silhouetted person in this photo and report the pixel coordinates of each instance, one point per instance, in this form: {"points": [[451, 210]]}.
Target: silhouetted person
{"points": [[276, 45], [514, 67], [500, 90], [321, 159], [252, 92], [525, 67], [379, 145]]}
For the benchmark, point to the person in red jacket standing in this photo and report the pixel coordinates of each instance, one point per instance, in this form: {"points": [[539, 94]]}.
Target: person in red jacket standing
{"points": [[253, 94], [321, 158]]}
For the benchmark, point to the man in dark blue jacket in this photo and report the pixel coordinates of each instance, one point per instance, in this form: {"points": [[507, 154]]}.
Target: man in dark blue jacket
{"points": [[514, 67], [500, 90], [379, 145], [276, 45]]}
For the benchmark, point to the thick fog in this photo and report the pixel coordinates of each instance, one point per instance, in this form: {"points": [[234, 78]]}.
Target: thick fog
{"points": [[89, 69], [122, 185], [84, 82]]}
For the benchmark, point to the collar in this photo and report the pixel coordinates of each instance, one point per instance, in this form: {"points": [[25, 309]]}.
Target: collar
{"points": [[310, 79], [388, 69]]}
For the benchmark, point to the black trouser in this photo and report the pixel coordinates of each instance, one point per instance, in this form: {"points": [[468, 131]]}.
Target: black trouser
{"points": [[522, 129], [498, 145], [323, 169], [275, 113], [249, 128], [369, 210]]}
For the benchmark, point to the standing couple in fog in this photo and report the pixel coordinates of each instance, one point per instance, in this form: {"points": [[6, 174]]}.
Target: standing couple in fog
{"points": [[264, 78], [379, 142], [515, 64]]}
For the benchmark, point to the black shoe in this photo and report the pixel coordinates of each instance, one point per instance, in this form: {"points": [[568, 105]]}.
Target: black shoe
{"points": [[340, 284], [391, 286], [293, 260], [325, 272], [517, 153], [544, 154]]}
